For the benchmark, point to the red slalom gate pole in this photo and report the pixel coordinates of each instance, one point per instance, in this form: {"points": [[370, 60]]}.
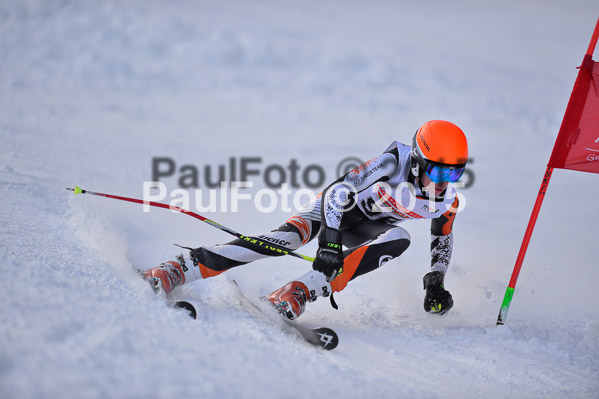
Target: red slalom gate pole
{"points": [[509, 292], [594, 38]]}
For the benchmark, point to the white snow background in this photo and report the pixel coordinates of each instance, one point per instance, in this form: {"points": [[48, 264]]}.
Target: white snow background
{"points": [[91, 91]]}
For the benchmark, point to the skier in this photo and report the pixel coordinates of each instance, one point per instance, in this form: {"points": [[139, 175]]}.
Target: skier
{"points": [[361, 211]]}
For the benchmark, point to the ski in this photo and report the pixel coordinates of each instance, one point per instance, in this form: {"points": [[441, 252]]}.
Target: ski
{"points": [[185, 306], [181, 305], [322, 337]]}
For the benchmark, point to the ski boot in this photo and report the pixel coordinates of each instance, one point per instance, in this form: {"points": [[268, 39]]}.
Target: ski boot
{"points": [[165, 277], [290, 300]]}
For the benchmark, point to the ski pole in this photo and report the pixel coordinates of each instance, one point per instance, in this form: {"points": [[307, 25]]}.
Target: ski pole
{"points": [[276, 249]]}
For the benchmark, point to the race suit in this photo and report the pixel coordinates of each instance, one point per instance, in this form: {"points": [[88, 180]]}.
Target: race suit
{"points": [[367, 204]]}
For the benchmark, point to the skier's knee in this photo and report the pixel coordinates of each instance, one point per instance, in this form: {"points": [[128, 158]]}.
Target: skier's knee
{"points": [[289, 235], [396, 234], [403, 235], [395, 240]]}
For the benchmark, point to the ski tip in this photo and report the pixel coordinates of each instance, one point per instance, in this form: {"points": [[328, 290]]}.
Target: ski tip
{"points": [[188, 307], [327, 337]]}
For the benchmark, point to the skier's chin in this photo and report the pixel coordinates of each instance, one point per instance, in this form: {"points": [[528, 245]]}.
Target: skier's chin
{"points": [[437, 192]]}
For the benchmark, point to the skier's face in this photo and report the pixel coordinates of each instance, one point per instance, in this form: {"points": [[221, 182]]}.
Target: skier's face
{"points": [[439, 187]]}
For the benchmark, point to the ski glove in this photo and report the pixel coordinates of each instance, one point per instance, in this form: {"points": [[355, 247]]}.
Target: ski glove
{"points": [[329, 257], [437, 299]]}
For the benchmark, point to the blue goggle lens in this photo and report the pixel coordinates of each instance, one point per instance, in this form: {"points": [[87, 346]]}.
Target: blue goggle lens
{"points": [[439, 174]]}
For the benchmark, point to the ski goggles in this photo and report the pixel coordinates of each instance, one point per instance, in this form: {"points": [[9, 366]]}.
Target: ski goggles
{"points": [[440, 174]]}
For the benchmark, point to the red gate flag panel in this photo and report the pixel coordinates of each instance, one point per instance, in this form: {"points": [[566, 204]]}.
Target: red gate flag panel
{"points": [[577, 144]]}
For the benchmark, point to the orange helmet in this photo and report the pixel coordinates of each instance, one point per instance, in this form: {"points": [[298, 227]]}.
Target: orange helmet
{"points": [[439, 149]]}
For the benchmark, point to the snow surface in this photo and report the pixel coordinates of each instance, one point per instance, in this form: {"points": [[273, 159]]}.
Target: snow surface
{"points": [[90, 91]]}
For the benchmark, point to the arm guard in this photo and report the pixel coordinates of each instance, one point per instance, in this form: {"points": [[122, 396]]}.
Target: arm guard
{"points": [[442, 239]]}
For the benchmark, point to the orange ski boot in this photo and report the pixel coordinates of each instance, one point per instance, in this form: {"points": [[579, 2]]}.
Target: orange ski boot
{"points": [[290, 300], [165, 277]]}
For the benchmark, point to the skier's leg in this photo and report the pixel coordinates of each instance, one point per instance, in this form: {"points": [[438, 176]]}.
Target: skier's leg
{"points": [[365, 258], [206, 262], [291, 299], [212, 261]]}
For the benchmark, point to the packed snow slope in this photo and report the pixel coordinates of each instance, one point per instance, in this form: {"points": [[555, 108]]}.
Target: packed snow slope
{"points": [[92, 91]]}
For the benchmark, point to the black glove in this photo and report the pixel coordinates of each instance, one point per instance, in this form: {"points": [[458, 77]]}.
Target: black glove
{"points": [[437, 299], [329, 257]]}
